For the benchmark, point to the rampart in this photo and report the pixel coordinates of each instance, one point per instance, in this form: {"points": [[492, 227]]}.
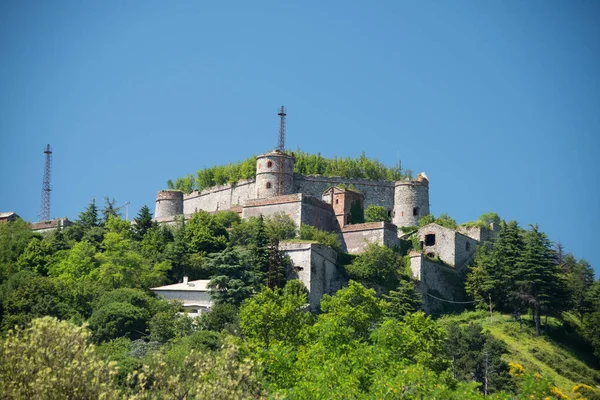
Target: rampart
{"points": [[300, 208], [356, 237], [314, 265], [380, 193], [436, 281], [218, 198]]}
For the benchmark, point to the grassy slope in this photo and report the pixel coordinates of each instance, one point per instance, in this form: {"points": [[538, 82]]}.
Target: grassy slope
{"points": [[559, 353]]}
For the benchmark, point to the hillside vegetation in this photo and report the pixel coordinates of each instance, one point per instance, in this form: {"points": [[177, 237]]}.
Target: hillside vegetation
{"points": [[305, 164], [561, 354], [78, 319]]}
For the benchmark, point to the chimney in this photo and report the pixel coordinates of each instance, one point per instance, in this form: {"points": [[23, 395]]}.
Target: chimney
{"points": [[185, 280]]}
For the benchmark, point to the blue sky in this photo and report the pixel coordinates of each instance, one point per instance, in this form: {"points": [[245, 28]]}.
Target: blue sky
{"points": [[497, 101]]}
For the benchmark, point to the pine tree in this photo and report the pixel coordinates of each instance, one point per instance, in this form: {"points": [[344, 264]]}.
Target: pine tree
{"points": [[143, 222], [89, 217], [404, 300], [536, 278], [109, 210], [506, 255]]}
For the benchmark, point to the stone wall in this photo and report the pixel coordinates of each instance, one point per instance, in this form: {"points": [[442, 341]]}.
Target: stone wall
{"points": [[318, 214], [169, 203], [301, 209], [291, 205], [465, 251], [380, 193], [480, 234], [436, 280], [221, 197], [355, 238], [451, 247], [314, 265], [444, 245]]}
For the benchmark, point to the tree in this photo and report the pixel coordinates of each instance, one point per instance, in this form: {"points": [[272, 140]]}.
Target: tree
{"points": [[506, 259], [143, 223], [203, 233], [280, 226], [309, 232], [477, 356], [25, 296], [580, 279], [14, 238], [536, 277], [109, 210], [405, 299], [235, 278], [226, 374], [78, 264], [118, 320], [375, 213], [356, 309], [52, 359], [276, 315], [89, 217], [377, 265], [37, 257]]}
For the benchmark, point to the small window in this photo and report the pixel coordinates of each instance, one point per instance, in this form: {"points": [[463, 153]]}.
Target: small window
{"points": [[430, 239], [468, 246], [337, 201], [402, 213], [416, 211], [389, 213], [268, 185], [269, 164]]}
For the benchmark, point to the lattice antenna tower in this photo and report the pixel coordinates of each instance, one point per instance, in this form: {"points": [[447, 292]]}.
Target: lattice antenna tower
{"points": [[282, 114], [46, 189]]}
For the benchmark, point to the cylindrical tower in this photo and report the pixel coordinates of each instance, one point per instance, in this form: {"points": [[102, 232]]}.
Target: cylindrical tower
{"points": [[274, 174], [411, 201], [169, 204]]}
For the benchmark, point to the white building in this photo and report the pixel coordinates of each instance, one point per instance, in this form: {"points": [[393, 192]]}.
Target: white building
{"points": [[195, 295]]}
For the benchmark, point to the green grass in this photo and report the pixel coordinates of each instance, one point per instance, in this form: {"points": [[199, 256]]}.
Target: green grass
{"points": [[559, 353]]}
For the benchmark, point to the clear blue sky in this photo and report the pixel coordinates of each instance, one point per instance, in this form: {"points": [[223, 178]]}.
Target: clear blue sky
{"points": [[498, 101]]}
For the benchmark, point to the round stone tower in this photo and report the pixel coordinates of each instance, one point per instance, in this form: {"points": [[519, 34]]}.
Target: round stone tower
{"points": [[169, 204], [274, 174], [411, 201]]}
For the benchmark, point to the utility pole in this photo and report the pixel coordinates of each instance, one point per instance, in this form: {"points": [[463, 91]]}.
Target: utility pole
{"points": [[485, 378], [490, 297]]}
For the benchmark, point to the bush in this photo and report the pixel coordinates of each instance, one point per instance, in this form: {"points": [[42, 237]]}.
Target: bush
{"points": [[52, 359], [375, 213], [308, 232]]}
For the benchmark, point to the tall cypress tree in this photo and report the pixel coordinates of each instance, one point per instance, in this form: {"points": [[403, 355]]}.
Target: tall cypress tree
{"points": [[537, 280], [506, 255]]}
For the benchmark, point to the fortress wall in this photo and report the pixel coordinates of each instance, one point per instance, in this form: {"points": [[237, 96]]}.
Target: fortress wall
{"points": [[380, 193], [438, 280], [219, 198], [290, 205], [317, 214], [355, 238], [465, 251], [444, 246], [314, 265]]}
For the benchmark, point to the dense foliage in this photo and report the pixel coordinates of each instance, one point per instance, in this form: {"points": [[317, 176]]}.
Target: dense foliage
{"points": [[78, 319], [305, 164]]}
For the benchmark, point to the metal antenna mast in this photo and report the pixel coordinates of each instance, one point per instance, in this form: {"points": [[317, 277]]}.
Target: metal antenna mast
{"points": [[46, 189], [282, 114]]}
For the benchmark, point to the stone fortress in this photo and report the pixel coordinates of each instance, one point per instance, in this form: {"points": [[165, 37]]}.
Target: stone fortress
{"points": [[324, 203]]}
